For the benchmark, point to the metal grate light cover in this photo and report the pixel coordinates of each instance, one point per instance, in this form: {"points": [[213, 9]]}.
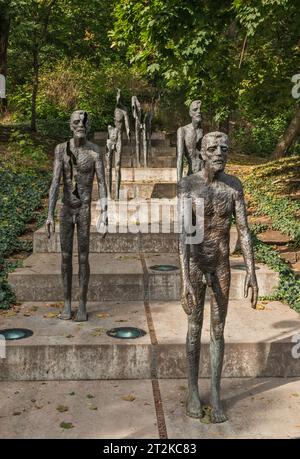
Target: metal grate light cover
{"points": [[126, 332], [11, 334]]}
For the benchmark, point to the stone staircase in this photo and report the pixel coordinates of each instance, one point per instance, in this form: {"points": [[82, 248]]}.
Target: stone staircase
{"points": [[126, 289]]}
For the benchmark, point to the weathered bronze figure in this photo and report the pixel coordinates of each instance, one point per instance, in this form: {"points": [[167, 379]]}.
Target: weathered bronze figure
{"points": [[146, 135], [137, 115], [189, 141], [76, 162], [114, 144], [207, 263]]}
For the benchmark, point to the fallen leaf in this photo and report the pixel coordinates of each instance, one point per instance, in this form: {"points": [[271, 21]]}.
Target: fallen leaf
{"points": [[34, 308], [66, 425], [17, 413], [182, 387], [128, 398], [97, 331], [69, 336], [51, 315], [103, 315], [56, 305], [71, 393], [38, 407], [260, 307], [62, 408], [295, 394], [33, 400], [93, 408], [90, 396]]}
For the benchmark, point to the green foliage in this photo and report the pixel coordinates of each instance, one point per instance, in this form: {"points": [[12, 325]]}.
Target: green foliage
{"points": [[69, 85], [263, 185], [22, 185], [288, 290], [259, 137]]}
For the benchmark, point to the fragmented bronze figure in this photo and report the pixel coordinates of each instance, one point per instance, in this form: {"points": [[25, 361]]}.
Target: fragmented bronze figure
{"points": [[76, 162], [137, 115], [207, 263], [189, 141], [146, 135], [115, 144]]}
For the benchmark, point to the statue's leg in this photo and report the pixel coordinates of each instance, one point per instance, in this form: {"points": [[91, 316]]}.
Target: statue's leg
{"points": [[118, 153], [83, 236], [219, 303], [66, 243], [109, 155], [195, 321]]}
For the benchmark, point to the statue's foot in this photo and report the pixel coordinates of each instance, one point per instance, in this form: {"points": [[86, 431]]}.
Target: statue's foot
{"points": [[66, 313], [81, 316], [217, 415], [193, 406]]}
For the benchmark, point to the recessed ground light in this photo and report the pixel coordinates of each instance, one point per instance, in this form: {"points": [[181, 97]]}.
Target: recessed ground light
{"points": [[16, 333], [243, 267], [164, 268], [126, 332]]}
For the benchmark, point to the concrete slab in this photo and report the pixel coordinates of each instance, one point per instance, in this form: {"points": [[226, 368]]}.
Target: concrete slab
{"points": [[166, 285], [132, 190], [260, 408], [113, 242], [156, 175], [119, 277], [121, 241], [61, 349], [96, 409], [258, 342], [113, 277]]}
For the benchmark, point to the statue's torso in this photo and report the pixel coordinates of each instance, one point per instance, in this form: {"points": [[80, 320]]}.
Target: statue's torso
{"points": [[78, 175], [219, 202]]}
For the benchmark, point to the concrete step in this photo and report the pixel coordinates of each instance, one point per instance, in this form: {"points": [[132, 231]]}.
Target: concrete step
{"points": [[120, 242], [142, 190], [148, 174], [258, 342], [120, 277]]}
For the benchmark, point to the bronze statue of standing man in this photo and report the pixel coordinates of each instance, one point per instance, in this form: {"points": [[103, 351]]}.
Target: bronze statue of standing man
{"points": [[189, 141], [76, 162], [206, 264]]}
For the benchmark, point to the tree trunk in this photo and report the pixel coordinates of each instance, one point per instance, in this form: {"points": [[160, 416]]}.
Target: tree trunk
{"points": [[35, 87], [4, 34], [288, 137]]}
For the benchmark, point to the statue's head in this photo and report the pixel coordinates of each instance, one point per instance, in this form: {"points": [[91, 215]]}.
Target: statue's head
{"points": [[79, 123], [195, 110], [214, 150]]}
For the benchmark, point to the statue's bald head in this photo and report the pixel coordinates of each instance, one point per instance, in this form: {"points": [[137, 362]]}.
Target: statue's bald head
{"points": [[195, 110], [79, 123], [214, 150]]}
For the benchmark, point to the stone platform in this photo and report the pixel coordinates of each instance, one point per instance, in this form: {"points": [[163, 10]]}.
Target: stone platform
{"points": [[121, 276], [258, 342], [258, 408]]}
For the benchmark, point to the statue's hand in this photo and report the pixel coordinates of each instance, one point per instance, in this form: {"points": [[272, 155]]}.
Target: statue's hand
{"points": [[102, 225], [251, 282], [50, 226], [188, 298]]}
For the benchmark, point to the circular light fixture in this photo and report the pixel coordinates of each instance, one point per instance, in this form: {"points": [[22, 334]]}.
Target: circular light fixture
{"points": [[164, 268], [126, 333], [11, 334], [242, 267]]}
